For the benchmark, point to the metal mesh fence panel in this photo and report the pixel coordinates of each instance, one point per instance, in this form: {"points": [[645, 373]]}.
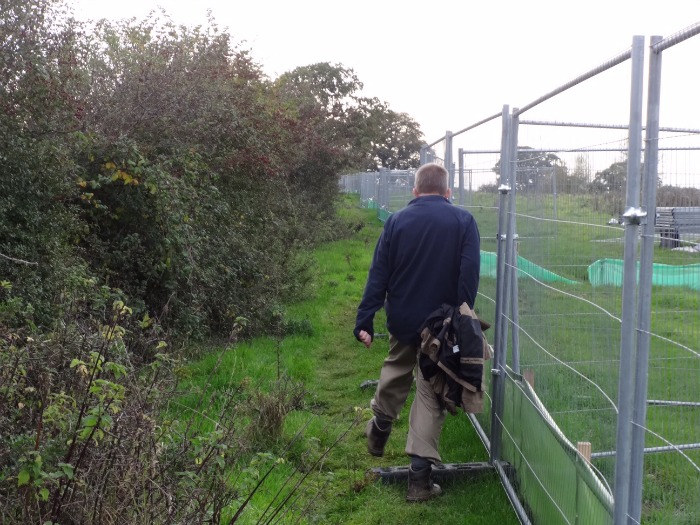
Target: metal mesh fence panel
{"points": [[565, 223], [386, 190], [670, 473], [564, 335], [566, 338], [474, 188]]}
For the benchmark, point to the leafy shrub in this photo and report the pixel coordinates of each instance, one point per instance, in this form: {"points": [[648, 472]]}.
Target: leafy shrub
{"points": [[86, 419]]}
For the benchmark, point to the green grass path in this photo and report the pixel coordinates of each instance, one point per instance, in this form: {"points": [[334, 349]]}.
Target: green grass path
{"points": [[332, 366]]}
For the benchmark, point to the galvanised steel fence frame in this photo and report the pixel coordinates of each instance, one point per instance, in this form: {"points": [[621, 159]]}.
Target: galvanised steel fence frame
{"points": [[522, 466]]}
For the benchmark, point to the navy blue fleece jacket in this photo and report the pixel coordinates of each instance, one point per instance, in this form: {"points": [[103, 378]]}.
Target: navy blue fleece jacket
{"points": [[427, 255]]}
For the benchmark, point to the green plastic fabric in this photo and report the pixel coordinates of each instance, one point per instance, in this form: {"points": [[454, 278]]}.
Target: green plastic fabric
{"points": [[553, 481], [383, 214], [526, 268], [609, 272]]}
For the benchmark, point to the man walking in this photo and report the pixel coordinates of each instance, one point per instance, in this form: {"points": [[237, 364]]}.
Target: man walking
{"points": [[427, 255]]}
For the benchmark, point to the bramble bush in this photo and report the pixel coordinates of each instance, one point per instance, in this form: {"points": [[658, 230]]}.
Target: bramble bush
{"points": [[91, 439]]}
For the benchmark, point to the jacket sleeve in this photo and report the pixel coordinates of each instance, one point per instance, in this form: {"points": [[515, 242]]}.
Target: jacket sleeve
{"points": [[470, 264], [377, 283]]}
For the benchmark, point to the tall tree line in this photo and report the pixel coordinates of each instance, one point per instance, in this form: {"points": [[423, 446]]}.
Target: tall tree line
{"points": [[159, 160]]}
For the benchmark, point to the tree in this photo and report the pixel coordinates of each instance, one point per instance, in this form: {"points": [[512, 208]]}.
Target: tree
{"points": [[336, 129], [191, 167], [534, 170], [314, 102], [608, 188], [579, 178], [612, 179], [402, 140], [384, 138], [368, 133], [330, 88]]}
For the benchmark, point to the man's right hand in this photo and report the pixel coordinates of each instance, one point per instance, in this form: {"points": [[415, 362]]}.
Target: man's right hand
{"points": [[365, 338]]}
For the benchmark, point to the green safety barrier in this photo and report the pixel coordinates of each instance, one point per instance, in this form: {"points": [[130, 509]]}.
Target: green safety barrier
{"points": [[610, 272], [525, 269], [383, 214], [551, 477]]}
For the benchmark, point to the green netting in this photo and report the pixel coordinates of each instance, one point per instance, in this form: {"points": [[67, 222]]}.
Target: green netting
{"points": [[383, 214], [609, 272], [525, 269], [553, 481]]}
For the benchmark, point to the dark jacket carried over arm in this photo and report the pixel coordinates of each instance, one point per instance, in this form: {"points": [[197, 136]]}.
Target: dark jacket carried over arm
{"points": [[427, 255], [452, 354]]}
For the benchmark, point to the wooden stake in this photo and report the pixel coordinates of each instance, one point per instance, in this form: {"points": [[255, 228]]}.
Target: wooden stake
{"points": [[584, 448]]}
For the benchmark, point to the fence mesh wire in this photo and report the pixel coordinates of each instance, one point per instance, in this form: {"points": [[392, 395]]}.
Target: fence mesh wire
{"points": [[563, 340]]}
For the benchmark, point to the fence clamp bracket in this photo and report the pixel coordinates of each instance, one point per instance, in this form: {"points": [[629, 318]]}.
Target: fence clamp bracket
{"points": [[635, 216], [495, 372], [504, 188]]}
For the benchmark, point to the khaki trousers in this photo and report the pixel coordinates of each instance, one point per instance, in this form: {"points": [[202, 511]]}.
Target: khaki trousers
{"points": [[426, 418]]}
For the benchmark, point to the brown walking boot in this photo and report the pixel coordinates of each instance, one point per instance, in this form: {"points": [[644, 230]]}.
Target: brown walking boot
{"points": [[376, 439], [420, 487]]}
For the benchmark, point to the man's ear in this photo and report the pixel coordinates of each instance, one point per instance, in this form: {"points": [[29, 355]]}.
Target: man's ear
{"points": [[448, 194], [415, 192]]}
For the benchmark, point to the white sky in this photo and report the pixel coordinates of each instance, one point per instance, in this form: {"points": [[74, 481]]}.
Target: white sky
{"points": [[451, 63]]}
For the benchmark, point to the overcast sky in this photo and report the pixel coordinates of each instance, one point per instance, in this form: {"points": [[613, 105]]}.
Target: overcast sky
{"points": [[451, 63]]}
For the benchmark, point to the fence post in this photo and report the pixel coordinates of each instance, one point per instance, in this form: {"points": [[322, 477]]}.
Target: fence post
{"points": [[377, 196], [512, 257], [383, 189], [499, 360], [646, 260], [632, 218], [423, 154], [448, 162], [471, 191], [554, 192]]}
